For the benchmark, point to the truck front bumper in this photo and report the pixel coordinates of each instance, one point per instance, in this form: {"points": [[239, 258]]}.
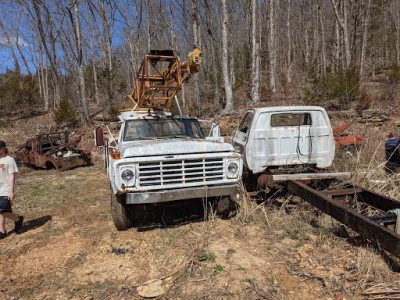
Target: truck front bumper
{"points": [[181, 194]]}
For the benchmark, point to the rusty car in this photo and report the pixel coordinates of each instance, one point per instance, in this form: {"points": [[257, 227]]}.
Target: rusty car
{"points": [[53, 151]]}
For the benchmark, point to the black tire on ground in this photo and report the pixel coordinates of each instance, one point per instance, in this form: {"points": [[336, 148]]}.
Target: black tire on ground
{"points": [[224, 207], [119, 212]]}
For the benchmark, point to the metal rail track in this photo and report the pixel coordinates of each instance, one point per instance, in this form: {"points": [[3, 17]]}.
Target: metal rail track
{"points": [[336, 203]]}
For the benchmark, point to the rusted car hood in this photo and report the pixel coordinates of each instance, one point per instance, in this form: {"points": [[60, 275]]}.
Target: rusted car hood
{"points": [[168, 147]]}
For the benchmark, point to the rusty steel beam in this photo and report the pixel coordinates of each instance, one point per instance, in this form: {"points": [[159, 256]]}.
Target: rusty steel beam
{"points": [[366, 227], [383, 203], [342, 192], [385, 219]]}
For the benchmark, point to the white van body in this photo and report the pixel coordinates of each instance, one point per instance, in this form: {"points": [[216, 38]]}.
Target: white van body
{"points": [[271, 137]]}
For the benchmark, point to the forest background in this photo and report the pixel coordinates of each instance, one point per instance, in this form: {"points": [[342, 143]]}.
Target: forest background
{"points": [[81, 56]]}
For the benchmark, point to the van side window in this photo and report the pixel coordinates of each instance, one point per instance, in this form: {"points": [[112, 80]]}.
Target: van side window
{"points": [[244, 125], [290, 119]]}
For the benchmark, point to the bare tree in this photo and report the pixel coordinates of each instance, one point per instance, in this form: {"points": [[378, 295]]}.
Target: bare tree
{"points": [[395, 13], [365, 39], [323, 46], [94, 67], [210, 31], [51, 56], [148, 25], [255, 96], [272, 44], [196, 43], [225, 74], [343, 22], [289, 47], [79, 59]]}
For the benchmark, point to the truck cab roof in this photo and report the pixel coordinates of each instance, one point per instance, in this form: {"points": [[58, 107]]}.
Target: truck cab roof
{"points": [[286, 108]]}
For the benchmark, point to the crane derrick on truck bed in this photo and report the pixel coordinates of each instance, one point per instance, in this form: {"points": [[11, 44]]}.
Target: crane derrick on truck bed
{"points": [[160, 78]]}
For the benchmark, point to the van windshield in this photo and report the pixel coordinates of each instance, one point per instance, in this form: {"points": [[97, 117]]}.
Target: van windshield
{"points": [[161, 128]]}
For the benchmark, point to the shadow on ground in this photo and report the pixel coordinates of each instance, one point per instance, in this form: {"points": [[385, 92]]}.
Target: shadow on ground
{"points": [[33, 224], [149, 217]]}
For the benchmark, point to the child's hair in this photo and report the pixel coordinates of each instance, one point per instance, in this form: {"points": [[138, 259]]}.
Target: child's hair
{"points": [[6, 150]]}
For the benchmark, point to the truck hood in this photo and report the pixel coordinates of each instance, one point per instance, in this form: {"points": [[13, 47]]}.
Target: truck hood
{"points": [[171, 147]]}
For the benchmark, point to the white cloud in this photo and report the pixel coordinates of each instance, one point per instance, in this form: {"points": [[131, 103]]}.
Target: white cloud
{"points": [[4, 43]]}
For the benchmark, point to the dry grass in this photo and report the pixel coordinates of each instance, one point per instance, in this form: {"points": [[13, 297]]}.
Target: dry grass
{"points": [[369, 268], [276, 240], [352, 269]]}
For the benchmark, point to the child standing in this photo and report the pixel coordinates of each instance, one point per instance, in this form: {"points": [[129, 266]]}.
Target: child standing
{"points": [[8, 168]]}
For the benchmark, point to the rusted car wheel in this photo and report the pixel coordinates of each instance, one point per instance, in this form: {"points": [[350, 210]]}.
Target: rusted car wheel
{"points": [[119, 212]]}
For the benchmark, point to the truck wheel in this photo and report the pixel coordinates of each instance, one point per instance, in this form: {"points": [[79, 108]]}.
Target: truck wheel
{"points": [[224, 207], [119, 212]]}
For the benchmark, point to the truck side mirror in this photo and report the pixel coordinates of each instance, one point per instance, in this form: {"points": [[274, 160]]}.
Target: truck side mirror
{"points": [[99, 137]]}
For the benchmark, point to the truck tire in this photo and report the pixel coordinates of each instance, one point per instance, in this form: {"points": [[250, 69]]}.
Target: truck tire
{"points": [[119, 212], [223, 207]]}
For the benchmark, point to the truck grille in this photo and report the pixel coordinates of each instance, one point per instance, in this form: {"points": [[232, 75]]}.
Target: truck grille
{"points": [[181, 172]]}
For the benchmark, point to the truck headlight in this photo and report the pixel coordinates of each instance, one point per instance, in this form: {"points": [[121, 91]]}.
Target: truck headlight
{"points": [[232, 170], [127, 175]]}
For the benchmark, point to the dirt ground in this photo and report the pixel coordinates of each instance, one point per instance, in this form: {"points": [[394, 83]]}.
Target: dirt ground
{"points": [[281, 248], [69, 249]]}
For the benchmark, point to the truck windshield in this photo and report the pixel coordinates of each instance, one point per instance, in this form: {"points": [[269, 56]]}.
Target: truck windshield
{"points": [[161, 128]]}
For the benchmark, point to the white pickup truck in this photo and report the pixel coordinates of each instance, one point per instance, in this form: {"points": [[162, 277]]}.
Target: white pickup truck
{"points": [[160, 158], [285, 140]]}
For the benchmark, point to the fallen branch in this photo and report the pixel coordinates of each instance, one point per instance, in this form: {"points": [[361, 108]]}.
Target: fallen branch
{"points": [[8, 248]]}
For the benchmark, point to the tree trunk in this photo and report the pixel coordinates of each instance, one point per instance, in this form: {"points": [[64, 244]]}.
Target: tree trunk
{"points": [[213, 56], [272, 46], [215, 74], [289, 49], [148, 25], [364, 40], [225, 74], [343, 22], [337, 45], [323, 55], [396, 20], [52, 58], [106, 41], [195, 31], [79, 58], [174, 42], [94, 70], [255, 96]]}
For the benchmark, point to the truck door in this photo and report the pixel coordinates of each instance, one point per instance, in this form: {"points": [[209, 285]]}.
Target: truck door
{"points": [[290, 138], [240, 136]]}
